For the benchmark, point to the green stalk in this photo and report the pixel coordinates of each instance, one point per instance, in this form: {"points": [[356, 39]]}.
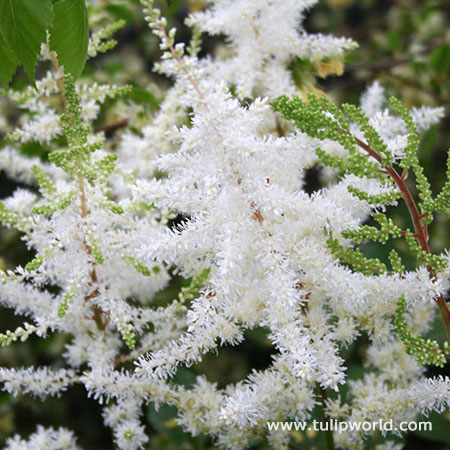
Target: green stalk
{"points": [[329, 438]]}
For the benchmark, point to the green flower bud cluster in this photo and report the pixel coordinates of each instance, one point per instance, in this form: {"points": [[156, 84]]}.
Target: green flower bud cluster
{"points": [[113, 207], [312, 120], [44, 209], [191, 291], [354, 258], [95, 250], [66, 200], [77, 160], [141, 268], [382, 234], [106, 166], [425, 351], [46, 186], [35, 263], [128, 335], [49, 191], [66, 301], [22, 333], [97, 42], [436, 262], [7, 217], [442, 200], [323, 120], [195, 43], [411, 161], [74, 160], [372, 137], [375, 199], [396, 262], [60, 202]]}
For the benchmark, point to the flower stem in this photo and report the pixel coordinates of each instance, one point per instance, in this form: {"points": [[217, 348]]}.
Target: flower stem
{"points": [[419, 229], [98, 313], [329, 438]]}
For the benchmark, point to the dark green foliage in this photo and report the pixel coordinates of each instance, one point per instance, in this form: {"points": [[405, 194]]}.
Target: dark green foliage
{"points": [[70, 35], [23, 28]]}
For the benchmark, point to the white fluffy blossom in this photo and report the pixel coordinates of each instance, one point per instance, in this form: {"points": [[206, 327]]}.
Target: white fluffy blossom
{"points": [[45, 439], [251, 240], [391, 128], [264, 37]]}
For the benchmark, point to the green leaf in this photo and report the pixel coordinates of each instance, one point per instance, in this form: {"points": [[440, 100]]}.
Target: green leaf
{"points": [[143, 97], [394, 41], [70, 35], [174, 6], [439, 432], [440, 59], [24, 24], [34, 149], [120, 12], [9, 62]]}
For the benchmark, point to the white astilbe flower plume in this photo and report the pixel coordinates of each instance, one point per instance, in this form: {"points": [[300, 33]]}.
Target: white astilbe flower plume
{"points": [[211, 191], [45, 438], [392, 128], [265, 37]]}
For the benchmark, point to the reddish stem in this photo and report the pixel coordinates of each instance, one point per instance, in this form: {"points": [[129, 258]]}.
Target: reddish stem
{"points": [[420, 231]]}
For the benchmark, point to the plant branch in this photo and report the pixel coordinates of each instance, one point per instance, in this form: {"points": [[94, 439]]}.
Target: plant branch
{"points": [[175, 55], [420, 230], [329, 438], [98, 312], [111, 127]]}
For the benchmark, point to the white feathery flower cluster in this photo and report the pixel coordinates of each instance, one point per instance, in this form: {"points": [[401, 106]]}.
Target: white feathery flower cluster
{"points": [[123, 417], [252, 243], [43, 128], [45, 438], [41, 382], [264, 37], [20, 169], [138, 153], [432, 394], [391, 128]]}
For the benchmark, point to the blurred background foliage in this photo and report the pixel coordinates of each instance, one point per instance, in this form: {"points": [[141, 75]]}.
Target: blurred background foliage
{"points": [[405, 44]]}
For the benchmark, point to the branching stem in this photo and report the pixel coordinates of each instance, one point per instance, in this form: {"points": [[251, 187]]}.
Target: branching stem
{"points": [[420, 230], [98, 312]]}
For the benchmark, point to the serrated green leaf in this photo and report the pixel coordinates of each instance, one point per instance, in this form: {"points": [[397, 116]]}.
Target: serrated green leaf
{"points": [[9, 62], [70, 35], [24, 23]]}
